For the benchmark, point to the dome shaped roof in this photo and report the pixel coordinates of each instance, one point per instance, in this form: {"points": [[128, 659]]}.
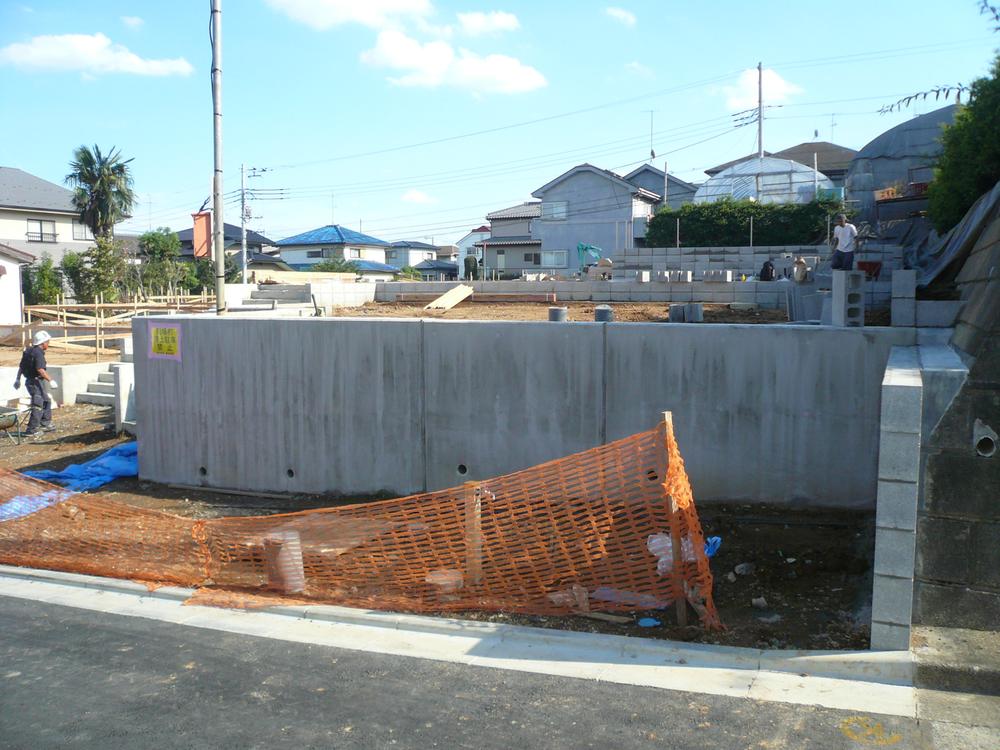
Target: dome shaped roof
{"points": [[767, 180]]}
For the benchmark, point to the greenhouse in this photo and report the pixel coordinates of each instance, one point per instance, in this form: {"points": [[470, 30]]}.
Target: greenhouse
{"points": [[767, 180]]}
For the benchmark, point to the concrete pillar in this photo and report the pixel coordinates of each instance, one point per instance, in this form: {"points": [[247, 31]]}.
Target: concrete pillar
{"points": [[896, 503], [694, 312], [558, 314], [604, 314], [677, 313]]}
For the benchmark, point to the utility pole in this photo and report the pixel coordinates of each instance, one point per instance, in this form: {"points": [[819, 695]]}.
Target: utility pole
{"points": [[218, 226], [243, 221], [666, 186], [652, 153]]}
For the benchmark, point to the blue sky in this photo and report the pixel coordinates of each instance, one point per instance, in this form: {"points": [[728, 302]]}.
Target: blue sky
{"points": [[414, 118]]}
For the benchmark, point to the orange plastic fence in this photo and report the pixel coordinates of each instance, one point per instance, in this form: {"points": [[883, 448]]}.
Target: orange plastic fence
{"points": [[610, 529]]}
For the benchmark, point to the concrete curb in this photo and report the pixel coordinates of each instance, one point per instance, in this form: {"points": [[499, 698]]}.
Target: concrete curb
{"points": [[881, 667]]}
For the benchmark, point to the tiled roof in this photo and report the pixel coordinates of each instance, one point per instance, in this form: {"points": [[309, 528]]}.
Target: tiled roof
{"points": [[332, 234], [18, 189], [16, 255], [371, 265], [413, 245], [437, 265], [231, 233], [527, 210], [494, 241], [829, 156]]}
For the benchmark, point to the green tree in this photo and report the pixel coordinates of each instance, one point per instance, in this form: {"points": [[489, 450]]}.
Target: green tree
{"points": [[99, 271], [160, 266], [41, 282], [200, 275], [102, 188], [335, 265], [471, 267], [409, 272], [969, 164]]}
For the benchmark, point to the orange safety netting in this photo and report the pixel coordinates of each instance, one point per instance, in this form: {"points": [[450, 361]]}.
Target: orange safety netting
{"points": [[610, 529]]}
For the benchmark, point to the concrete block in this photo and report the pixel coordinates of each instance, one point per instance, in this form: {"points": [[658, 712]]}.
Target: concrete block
{"points": [[903, 312], [892, 600], [901, 407], [677, 313], [985, 557], [848, 302], [904, 283], [899, 456], [946, 552], [622, 296], [601, 296], [895, 552], [642, 277], [896, 505], [641, 296]]}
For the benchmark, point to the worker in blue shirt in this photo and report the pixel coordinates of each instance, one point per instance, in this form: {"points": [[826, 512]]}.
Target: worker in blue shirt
{"points": [[32, 367]]}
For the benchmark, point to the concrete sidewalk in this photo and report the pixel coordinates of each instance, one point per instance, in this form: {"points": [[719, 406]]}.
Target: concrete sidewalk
{"points": [[89, 662]]}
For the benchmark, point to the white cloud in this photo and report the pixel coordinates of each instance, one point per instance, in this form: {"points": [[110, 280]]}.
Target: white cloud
{"points": [[417, 196], [744, 94], [133, 22], [90, 54], [637, 68], [621, 15], [478, 23], [377, 14], [438, 64]]}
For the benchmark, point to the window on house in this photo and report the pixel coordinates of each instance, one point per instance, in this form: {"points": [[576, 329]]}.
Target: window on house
{"points": [[353, 252], [81, 231], [533, 258], [41, 231], [390, 254], [554, 210], [428, 256], [314, 253], [921, 174], [554, 258]]}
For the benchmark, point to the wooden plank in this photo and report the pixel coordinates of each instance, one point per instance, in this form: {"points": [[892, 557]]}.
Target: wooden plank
{"points": [[450, 298], [473, 534], [541, 298]]}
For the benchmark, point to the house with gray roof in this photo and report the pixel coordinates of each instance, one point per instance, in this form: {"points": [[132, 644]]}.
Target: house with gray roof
{"points": [[11, 261], [257, 244], [649, 177], [37, 217], [584, 205], [403, 253]]}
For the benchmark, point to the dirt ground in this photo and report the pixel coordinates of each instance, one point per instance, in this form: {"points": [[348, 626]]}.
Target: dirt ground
{"points": [[812, 567], [10, 356], [627, 312]]}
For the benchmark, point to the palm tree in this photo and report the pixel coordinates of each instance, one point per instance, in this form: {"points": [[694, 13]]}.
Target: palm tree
{"points": [[102, 188]]}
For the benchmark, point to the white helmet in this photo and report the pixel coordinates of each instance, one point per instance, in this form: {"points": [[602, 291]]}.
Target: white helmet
{"points": [[40, 338]]}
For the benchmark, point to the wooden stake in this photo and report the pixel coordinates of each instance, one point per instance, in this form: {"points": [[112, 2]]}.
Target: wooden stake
{"points": [[473, 534]]}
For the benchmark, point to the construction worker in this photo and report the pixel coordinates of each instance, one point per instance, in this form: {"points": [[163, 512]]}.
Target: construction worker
{"points": [[32, 367]]}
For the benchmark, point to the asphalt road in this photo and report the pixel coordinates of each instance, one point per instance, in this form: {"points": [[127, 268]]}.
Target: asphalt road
{"points": [[73, 678]]}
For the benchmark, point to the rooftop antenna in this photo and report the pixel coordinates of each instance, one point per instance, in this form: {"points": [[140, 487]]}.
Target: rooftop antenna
{"points": [[760, 111], [652, 153]]}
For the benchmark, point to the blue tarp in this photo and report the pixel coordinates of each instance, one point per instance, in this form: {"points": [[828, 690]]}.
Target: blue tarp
{"points": [[120, 461]]}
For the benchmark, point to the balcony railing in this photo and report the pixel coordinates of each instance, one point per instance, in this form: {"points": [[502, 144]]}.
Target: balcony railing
{"points": [[41, 236]]}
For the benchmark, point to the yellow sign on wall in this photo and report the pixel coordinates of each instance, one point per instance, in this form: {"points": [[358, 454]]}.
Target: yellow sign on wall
{"points": [[164, 342]]}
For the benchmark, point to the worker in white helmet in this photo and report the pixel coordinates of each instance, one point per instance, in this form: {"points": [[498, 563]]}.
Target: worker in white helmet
{"points": [[33, 368]]}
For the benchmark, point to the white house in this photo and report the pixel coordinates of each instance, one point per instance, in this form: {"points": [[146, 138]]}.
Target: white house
{"points": [[467, 246], [11, 261], [37, 217], [305, 250]]}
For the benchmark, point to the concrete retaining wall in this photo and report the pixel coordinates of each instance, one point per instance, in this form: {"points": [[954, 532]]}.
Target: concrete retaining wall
{"points": [[784, 414], [766, 294]]}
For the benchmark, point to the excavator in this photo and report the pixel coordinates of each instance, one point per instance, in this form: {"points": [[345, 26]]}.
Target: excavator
{"points": [[585, 251]]}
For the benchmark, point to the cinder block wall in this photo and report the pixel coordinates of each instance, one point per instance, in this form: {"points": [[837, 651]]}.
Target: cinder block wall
{"points": [[785, 414]]}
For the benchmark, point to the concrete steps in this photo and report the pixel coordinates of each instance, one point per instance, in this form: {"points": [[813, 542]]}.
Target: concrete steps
{"points": [[100, 392], [956, 659]]}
